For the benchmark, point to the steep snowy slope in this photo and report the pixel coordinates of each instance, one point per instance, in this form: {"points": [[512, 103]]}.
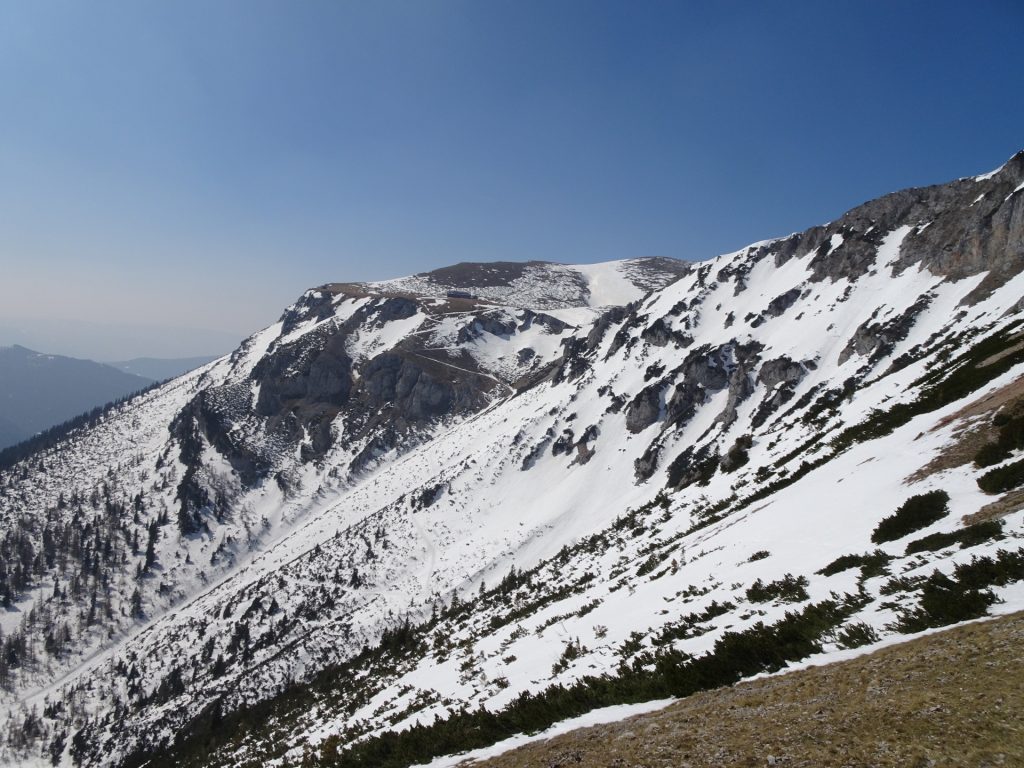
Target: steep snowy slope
{"points": [[394, 504]]}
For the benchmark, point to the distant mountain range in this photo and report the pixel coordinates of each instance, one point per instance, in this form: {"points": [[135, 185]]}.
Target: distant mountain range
{"points": [[38, 391]]}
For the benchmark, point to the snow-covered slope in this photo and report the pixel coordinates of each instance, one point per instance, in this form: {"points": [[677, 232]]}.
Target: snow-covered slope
{"points": [[544, 285], [393, 504]]}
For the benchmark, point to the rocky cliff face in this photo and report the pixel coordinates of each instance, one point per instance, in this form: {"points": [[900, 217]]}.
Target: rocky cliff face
{"points": [[635, 479]]}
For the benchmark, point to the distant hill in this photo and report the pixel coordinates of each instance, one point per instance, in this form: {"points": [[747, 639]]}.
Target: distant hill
{"points": [[38, 390], [11, 433], [160, 369]]}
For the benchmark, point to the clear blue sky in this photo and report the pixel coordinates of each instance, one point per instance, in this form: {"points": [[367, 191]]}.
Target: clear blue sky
{"points": [[199, 164]]}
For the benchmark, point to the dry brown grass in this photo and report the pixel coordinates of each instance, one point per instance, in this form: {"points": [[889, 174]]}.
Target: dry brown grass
{"points": [[951, 699], [1005, 505], [974, 428]]}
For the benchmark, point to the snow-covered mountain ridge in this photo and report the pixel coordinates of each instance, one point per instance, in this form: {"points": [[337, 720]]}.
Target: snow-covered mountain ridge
{"points": [[544, 285], [597, 491]]}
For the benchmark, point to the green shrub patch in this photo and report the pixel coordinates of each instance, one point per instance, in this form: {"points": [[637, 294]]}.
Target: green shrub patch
{"points": [[788, 589], [870, 564], [971, 536], [964, 595], [916, 513], [1010, 439], [1003, 479]]}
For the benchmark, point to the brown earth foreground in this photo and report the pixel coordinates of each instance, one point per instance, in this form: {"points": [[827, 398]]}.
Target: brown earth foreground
{"points": [[955, 698]]}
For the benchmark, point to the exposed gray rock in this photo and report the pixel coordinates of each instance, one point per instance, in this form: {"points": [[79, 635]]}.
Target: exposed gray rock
{"points": [[781, 303], [739, 269], [850, 260], [536, 452], [654, 370], [417, 389], [496, 323], [780, 370], [529, 318], [567, 444], [876, 340], [644, 409], [779, 377], [645, 466], [736, 456], [210, 416], [314, 305], [974, 236], [660, 334], [707, 370], [564, 443], [316, 369], [388, 309], [744, 358], [606, 320], [573, 363], [959, 234]]}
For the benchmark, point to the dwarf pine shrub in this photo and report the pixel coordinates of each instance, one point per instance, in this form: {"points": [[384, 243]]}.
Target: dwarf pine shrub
{"points": [[916, 513]]}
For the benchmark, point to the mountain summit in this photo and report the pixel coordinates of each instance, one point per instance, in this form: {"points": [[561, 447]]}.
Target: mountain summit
{"points": [[545, 285], [416, 516]]}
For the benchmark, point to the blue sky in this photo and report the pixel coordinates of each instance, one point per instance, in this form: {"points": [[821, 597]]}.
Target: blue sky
{"points": [[186, 169]]}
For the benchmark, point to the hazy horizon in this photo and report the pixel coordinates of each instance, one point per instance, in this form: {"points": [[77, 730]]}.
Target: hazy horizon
{"points": [[107, 343]]}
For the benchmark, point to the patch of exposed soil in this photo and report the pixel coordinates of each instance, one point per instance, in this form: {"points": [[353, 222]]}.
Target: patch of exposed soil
{"points": [[975, 428], [1005, 505]]}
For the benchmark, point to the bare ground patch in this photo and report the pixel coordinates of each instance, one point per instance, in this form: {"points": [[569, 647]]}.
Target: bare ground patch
{"points": [[955, 698], [974, 430], [1005, 505]]}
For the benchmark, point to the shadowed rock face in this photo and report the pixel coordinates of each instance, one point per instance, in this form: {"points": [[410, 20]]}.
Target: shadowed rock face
{"points": [[310, 395], [305, 385], [497, 323], [706, 371], [986, 236], [963, 229], [314, 305], [644, 409], [316, 370], [417, 389], [781, 303], [779, 378], [875, 339], [659, 334]]}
